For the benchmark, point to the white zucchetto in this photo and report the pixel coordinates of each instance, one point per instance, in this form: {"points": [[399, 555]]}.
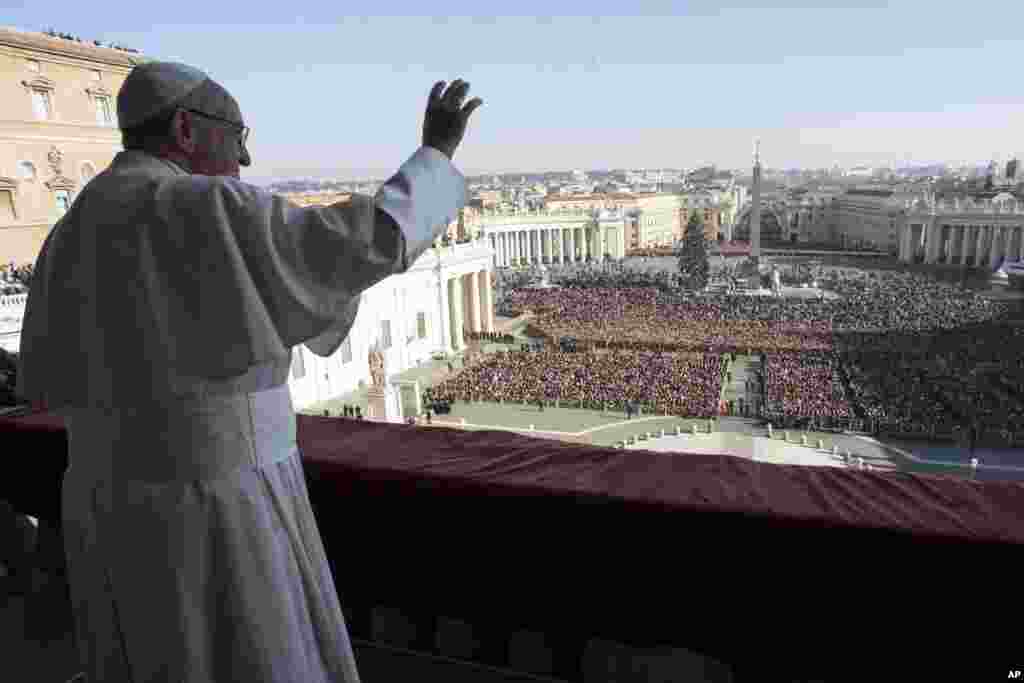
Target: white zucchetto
{"points": [[154, 87]]}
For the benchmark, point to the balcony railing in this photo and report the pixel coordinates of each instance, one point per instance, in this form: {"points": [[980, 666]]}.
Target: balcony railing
{"points": [[534, 555]]}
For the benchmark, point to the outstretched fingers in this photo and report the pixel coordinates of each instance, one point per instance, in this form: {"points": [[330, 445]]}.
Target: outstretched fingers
{"points": [[435, 95], [470, 107]]}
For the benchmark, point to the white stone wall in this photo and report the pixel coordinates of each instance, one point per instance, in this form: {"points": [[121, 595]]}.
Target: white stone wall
{"points": [[397, 299]]}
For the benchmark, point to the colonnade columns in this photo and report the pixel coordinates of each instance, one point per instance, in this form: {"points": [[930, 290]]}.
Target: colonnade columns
{"points": [[473, 301], [572, 245], [561, 245], [445, 308], [965, 244], [997, 249], [486, 301], [455, 313], [976, 261], [931, 243], [1020, 244], [906, 242]]}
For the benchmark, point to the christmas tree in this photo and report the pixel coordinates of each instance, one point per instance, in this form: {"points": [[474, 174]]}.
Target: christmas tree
{"points": [[694, 268]]}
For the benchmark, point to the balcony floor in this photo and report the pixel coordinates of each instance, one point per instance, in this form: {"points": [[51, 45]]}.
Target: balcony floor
{"points": [[53, 661]]}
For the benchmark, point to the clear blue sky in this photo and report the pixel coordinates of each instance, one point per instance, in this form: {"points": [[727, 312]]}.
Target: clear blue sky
{"points": [[327, 90]]}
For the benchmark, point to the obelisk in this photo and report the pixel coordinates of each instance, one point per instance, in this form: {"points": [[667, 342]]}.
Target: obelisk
{"points": [[755, 208]]}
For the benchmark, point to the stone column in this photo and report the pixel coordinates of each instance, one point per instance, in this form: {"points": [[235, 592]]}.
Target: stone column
{"points": [[455, 313], [443, 317], [572, 245], [978, 248], [995, 249], [1020, 243], [486, 301], [474, 302], [965, 243], [904, 242], [931, 242]]}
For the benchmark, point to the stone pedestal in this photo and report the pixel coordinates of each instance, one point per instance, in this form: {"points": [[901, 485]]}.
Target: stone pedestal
{"points": [[382, 403]]}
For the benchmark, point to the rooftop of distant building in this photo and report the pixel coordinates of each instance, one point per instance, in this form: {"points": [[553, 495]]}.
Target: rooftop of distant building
{"points": [[71, 45]]}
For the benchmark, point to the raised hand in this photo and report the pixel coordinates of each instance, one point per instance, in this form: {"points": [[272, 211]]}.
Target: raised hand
{"points": [[445, 121]]}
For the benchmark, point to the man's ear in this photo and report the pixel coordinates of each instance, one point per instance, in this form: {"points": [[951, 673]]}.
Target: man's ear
{"points": [[184, 131]]}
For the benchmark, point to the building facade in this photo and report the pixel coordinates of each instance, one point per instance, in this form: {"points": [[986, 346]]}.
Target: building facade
{"points": [[541, 236], [58, 129], [963, 231], [410, 317], [868, 218]]}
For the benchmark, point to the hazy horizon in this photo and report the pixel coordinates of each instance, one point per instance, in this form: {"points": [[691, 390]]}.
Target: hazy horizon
{"points": [[330, 95]]}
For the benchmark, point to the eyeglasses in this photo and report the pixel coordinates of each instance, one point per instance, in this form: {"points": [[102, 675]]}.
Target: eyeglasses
{"points": [[243, 130]]}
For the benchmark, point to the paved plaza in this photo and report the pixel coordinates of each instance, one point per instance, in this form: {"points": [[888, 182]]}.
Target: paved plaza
{"points": [[756, 448]]}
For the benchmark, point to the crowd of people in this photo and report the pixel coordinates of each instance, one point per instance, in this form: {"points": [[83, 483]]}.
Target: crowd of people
{"points": [[637, 318], [681, 384], [493, 337], [896, 351], [946, 385], [15, 279], [806, 385]]}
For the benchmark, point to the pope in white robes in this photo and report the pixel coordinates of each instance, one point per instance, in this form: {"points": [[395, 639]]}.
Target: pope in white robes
{"points": [[160, 322]]}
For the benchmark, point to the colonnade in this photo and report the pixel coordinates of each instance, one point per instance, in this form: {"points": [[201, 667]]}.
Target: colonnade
{"points": [[467, 304], [964, 244], [557, 244]]}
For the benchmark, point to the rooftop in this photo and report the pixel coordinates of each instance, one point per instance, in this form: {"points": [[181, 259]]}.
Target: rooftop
{"points": [[40, 42]]}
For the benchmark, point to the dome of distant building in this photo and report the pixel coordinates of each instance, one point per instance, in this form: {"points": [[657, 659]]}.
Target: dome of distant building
{"points": [[771, 229]]}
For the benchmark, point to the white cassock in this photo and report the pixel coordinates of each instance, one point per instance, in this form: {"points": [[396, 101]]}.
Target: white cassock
{"points": [[160, 322]]}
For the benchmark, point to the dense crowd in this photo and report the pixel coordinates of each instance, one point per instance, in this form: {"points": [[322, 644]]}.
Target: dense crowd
{"points": [[15, 279], [808, 385], [681, 384], [903, 302], [944, 384], [897, 351], [644, 319]]}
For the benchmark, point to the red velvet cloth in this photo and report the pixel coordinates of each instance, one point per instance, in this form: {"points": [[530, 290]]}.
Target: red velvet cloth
{"points": [[723, 555]]}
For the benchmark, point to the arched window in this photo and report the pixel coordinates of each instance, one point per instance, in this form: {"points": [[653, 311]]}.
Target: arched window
{"points": [[26, 171]]}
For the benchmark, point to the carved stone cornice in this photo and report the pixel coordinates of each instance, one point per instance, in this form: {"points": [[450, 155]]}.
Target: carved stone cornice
{"points": [[60, 182], [98, 91], [39, 83]]}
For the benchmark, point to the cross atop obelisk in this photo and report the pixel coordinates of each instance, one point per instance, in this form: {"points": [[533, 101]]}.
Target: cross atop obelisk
{"points": [[755, 207]]}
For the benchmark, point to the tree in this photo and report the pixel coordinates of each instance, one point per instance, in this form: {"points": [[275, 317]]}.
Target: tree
{"points": [[694, 268]]}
